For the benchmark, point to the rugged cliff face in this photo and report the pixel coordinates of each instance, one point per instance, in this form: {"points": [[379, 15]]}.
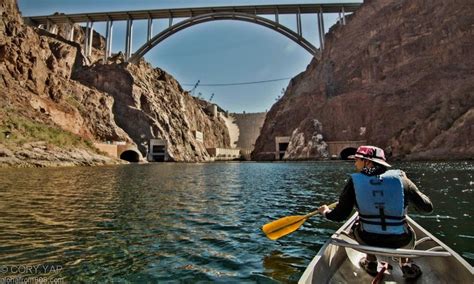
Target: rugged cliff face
{"points": [[400, 75], [49, 115], [149, 103]]}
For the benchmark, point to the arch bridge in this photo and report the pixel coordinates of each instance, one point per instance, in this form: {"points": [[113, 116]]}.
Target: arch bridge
{"points": [[257, 14]]}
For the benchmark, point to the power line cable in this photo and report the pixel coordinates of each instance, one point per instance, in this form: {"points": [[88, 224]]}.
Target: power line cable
{"points": [[239, 83]]}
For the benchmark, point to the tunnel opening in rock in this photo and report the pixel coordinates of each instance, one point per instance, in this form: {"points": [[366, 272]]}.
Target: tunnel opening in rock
{"points": [[347, 152], [282, 149], [130, 156]]}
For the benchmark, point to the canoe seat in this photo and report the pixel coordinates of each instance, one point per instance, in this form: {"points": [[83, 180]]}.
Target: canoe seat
{"points": [[343, 240]]}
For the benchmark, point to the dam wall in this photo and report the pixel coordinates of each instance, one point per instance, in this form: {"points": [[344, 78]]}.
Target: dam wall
{"points": [[249, 125]]}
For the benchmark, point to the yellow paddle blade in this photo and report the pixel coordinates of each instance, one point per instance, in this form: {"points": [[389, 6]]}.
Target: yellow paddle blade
{"points": [[283, 226], [286, 225]]}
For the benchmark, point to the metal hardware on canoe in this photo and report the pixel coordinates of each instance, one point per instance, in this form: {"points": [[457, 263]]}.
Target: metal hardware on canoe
{"points": [[422, 240], [344, 239], [338, 260], [410, 253]]}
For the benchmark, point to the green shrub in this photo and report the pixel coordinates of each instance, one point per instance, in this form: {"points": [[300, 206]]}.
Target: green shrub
{"points": [[23, 130]]}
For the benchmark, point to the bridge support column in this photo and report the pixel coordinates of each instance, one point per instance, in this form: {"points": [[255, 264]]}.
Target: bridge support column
{"points": [[298, 23], [91, 37], [342, 17], [51, 27], [71, 32], [128, 39], [48, 25], [276, 17], [150, 29], [321, 29], [108, 39], [86, 39]]}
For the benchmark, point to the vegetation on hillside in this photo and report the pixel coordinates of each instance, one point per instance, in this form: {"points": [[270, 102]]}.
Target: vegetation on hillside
{"points": [[16, 130]]}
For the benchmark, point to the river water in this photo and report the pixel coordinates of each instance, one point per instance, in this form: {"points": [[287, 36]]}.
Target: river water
{"points": [[190, 222]]}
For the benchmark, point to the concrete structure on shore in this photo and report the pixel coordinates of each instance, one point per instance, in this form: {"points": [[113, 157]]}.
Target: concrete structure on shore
{"points": [[249, 125], [120, 149], [224, 154], [342, 149], [157, 151], [281, 144], [337, 149], [244, 129]]}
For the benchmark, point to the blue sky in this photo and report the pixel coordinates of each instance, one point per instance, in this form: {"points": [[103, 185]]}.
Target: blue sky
{"points": [[214, 52]]}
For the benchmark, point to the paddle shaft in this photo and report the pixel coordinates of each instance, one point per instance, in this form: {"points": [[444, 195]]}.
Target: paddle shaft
{"points": [[287, 225], [311, 214], [331, 206]]}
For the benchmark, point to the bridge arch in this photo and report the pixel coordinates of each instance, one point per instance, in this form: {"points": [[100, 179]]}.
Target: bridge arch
{"points": [[223, 16]]}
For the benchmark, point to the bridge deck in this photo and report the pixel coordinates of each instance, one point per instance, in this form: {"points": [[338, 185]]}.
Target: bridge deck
{"points": [[191, 12]]}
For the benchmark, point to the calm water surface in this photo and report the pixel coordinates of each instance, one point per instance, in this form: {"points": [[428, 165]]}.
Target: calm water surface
{"points": [[189, 222]]}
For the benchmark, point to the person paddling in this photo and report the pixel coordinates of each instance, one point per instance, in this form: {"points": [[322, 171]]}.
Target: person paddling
{"points": [[381, 197]]}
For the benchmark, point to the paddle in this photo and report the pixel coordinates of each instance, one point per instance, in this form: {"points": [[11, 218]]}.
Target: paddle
{"points": [[287, 225]]}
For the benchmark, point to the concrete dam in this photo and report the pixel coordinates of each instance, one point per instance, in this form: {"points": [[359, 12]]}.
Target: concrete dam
{"points": [[249, 126]]}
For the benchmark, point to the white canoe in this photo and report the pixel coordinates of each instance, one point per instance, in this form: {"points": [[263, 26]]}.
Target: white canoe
{"points": [[338, 260]]}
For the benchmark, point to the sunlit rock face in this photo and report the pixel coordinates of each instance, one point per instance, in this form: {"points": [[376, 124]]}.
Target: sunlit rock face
{"points": [[44, 81], [401, 71], [302, 147], [149, 103]]}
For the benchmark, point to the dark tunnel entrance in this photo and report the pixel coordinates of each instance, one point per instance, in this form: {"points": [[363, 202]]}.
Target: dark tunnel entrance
{"points": [[347, 152], [282, 149], [130, 156]]}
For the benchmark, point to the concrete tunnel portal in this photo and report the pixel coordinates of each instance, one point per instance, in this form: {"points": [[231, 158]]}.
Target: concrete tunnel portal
{"points": [[130, 156], [344, 155]]}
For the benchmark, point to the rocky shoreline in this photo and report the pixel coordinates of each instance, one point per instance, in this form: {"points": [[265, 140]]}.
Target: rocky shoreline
{"points": [[40, 154]]}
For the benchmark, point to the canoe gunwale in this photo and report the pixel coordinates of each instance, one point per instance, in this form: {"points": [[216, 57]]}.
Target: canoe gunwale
{"points": [[410, 253], [324, 264]]}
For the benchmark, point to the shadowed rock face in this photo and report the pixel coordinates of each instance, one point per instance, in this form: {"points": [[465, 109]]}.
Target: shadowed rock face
{"points": [[400, 75], [45, 80]]}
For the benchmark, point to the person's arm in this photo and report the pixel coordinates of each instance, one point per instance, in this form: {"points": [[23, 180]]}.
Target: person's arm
{"points": [[414, 196], [344, 207]]}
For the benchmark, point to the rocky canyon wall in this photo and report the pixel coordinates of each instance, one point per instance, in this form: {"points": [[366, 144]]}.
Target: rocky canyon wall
{"points": [[54, 102], [149, 103], [399, 75]]}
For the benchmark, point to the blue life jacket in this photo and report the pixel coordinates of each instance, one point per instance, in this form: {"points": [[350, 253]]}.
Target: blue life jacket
{"points": [[381, 202]]}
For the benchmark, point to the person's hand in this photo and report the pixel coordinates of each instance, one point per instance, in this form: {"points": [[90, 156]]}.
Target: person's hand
{"points": [[323, 209]]}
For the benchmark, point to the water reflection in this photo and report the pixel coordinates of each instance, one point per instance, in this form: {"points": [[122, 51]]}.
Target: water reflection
{"points": [[282, 267], [159, 222]]}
